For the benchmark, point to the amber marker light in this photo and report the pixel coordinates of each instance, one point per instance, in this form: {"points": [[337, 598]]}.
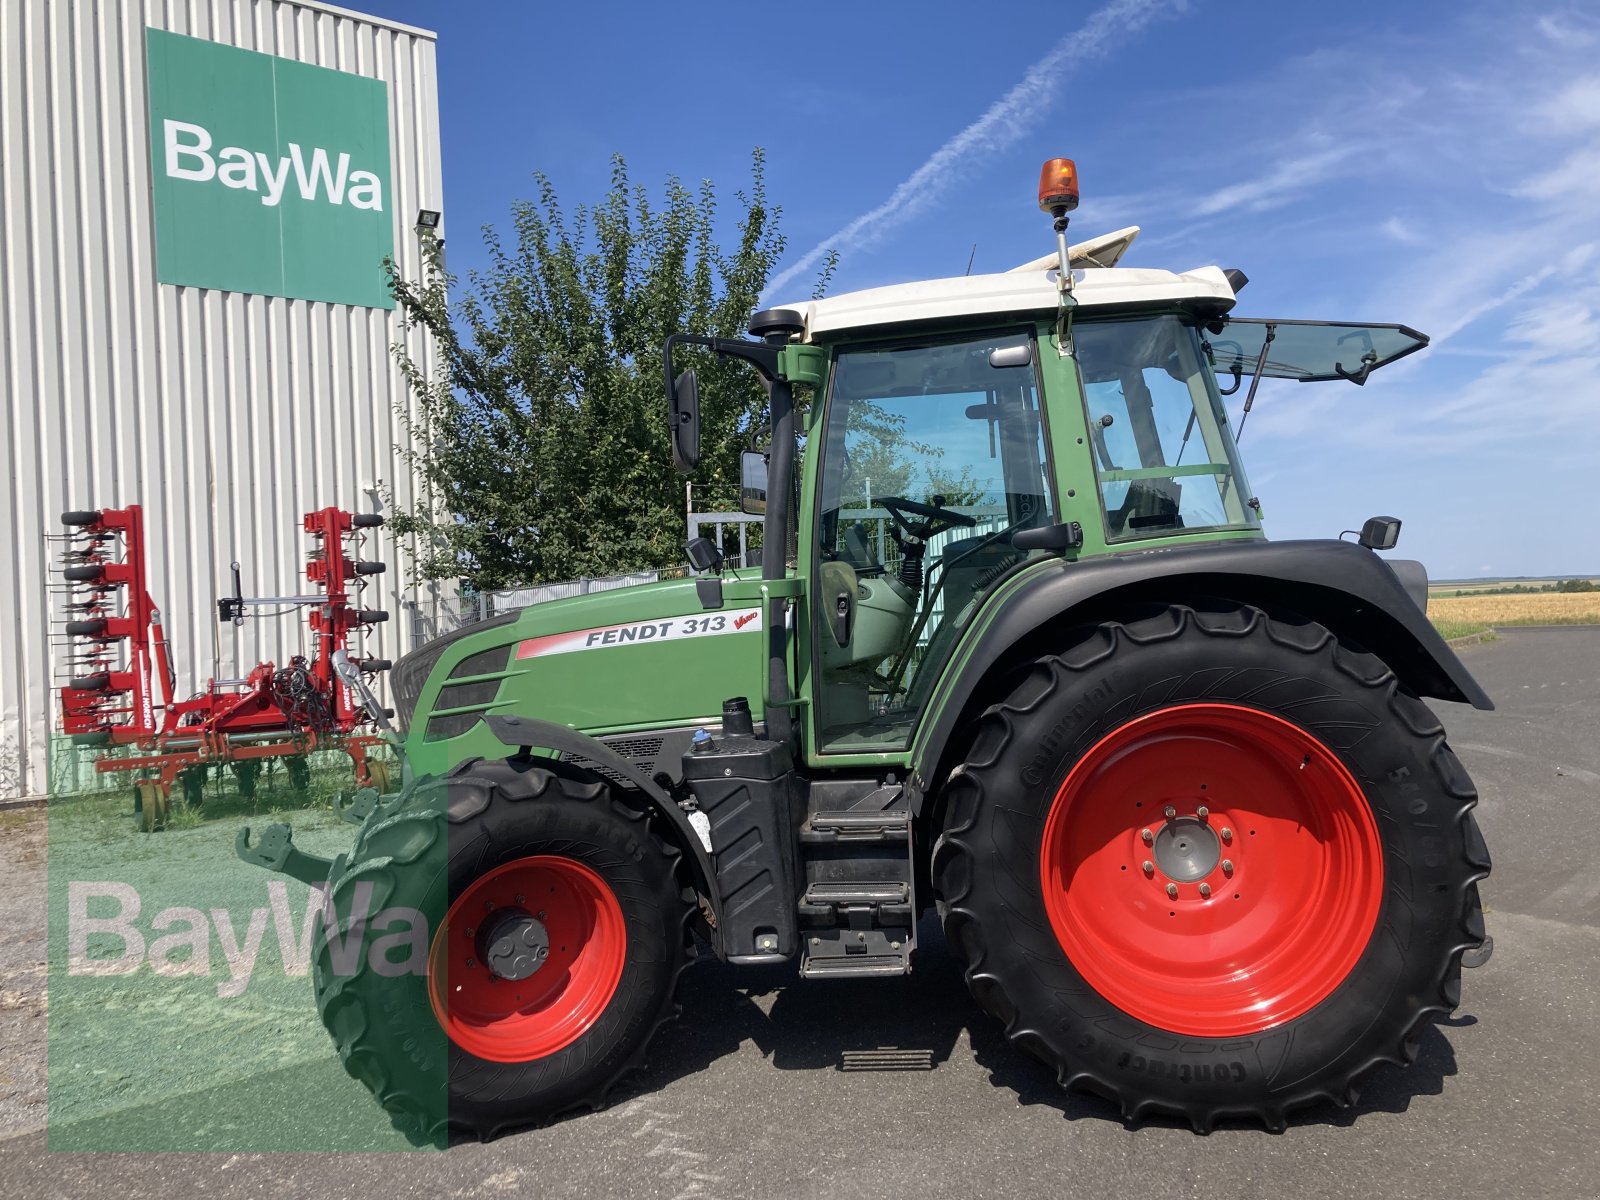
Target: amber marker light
{"points": [[1058, 186]]}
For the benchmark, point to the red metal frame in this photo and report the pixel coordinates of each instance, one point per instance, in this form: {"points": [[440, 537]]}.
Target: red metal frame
{"points": [[238, 721]]}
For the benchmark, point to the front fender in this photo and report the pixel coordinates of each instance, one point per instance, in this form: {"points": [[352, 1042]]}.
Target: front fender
{"points": [[1341, 585], [526, 733]]}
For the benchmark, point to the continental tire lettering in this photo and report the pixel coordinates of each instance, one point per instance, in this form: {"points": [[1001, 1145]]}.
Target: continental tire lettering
{"points": [[1157, 1068], [1051, 746]]}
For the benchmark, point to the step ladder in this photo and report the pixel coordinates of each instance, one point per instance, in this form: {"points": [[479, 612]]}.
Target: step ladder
{"points": [[858, 913]]}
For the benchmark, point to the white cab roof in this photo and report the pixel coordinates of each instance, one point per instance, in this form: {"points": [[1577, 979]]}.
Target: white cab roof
{"points": [[1027, 290]]}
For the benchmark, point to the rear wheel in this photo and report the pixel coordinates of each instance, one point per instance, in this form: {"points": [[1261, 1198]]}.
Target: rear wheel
{"points": [[1211, 864], [557, 930], [150, 804], [379, 777]]}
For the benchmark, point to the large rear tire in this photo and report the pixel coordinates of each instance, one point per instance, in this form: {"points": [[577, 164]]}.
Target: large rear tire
{"points": [[1210, 864], [572, 877]]}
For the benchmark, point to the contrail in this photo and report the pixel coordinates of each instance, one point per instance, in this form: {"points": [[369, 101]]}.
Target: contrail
{"points": [[1006, 120]]}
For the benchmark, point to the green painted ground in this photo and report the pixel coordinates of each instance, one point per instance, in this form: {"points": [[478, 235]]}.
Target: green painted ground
{"points": [[148, 1060]]}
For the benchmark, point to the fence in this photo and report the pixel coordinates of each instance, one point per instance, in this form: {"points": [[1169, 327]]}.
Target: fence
{"points": [[474, 606]]}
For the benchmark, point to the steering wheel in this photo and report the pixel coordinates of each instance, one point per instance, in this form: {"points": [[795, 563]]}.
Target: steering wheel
{"points": [[935, 517]]}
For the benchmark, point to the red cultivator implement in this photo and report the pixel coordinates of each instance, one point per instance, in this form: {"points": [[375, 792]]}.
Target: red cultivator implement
{"points": [[120, 693]]}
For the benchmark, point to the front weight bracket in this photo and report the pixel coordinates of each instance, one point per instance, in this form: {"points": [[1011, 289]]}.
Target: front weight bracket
{"points": [[275, 850]]}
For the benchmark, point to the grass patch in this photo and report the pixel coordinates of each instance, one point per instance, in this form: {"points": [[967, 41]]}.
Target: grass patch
{"points": [[275, 798], [1455, 629]]}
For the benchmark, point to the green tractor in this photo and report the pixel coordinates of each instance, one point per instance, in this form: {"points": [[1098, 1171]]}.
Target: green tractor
{"points": [[1017, 650]]}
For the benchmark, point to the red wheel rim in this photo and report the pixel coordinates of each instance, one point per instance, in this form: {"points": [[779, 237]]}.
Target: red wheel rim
{"points": [[507, 1020], [1271, 849]]}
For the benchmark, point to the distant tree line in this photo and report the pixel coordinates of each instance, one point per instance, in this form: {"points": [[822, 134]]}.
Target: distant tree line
{"points": [[1531, 589]]}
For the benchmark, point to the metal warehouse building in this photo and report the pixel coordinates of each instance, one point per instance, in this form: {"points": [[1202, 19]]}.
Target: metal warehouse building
{"points": [[197, 199]]}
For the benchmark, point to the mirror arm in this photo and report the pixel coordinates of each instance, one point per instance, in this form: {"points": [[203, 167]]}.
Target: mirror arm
{"points": [[759, 354]]}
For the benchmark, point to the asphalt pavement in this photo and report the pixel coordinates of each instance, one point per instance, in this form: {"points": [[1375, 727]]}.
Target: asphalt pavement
{"points": [[745, 1096]]}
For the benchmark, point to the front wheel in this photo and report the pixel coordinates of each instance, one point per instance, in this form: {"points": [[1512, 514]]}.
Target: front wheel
{"points": [[1211, 864], [555, 932]]}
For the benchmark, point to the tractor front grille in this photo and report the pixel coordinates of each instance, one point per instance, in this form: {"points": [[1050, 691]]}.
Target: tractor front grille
{"points": [[410, 674]]}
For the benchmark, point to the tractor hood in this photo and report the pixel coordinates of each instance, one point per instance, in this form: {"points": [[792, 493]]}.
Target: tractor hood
{"points": [[640, 658]]}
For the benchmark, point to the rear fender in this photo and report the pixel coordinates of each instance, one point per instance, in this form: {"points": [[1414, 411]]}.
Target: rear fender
{"points": [[1341, 585]]}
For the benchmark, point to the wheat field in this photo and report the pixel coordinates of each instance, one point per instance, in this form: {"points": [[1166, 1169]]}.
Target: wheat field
{"points": [[1456, 615]]}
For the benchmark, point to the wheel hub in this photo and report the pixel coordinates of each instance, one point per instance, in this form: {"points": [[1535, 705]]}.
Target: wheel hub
{"points": [[1187, 849], [513, 943], [527, 959]]}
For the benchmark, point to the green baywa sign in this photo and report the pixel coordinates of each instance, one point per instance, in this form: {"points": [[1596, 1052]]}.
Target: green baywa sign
{"points": [[270, 176]]}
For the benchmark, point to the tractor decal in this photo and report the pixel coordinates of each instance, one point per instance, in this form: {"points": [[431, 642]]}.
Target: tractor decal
{"points": [[670, 630]]}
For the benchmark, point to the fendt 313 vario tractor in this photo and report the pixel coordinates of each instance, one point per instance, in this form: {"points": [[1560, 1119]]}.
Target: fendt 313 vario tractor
{"points": [[1018, 651]]}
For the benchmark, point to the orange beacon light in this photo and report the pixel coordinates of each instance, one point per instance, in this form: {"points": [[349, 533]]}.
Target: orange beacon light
{"points": [[1058, 186]]}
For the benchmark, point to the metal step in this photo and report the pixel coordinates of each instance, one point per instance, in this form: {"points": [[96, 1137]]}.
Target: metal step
{"points": [[856, 966], [891, 892], [882, 825], [886, 1058]]}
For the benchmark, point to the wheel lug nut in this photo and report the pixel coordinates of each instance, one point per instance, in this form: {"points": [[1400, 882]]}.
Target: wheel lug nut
{"points": [[1172, 891], [1227, 866], [1227, 834], [1205, 891], [1148, 867], [1202, 812], [1147, 836], [1170, 813]]}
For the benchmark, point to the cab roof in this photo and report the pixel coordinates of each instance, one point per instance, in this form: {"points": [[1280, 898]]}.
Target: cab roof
{"points": [[1027, 290]]}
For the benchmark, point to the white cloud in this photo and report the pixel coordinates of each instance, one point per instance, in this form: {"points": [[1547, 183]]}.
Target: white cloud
{"points": [[1567, 30], [1397, 230], [1001, 125], [1562, 326], [1283, 182], [1576, 106], [1577, 177]]}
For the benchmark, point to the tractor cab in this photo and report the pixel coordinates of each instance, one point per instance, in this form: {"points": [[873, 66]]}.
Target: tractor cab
{"points": [[965, 429]]}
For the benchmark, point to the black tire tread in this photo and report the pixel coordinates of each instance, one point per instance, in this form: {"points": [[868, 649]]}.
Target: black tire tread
{"points": [[995, 731]]}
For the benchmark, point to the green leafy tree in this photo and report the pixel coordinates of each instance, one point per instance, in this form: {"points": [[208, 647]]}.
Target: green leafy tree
{"points": [[541, 438]]}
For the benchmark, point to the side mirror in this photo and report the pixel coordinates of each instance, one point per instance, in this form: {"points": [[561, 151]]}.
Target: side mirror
{"points": [[753, 482], [685, 421], [1380, 533]]}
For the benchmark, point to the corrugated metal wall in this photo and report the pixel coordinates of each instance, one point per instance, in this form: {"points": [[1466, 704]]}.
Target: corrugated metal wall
{"points": [[226, 415]]}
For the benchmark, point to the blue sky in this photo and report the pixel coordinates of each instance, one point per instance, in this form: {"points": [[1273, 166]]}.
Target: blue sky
{"points": [[1436, 164]]}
